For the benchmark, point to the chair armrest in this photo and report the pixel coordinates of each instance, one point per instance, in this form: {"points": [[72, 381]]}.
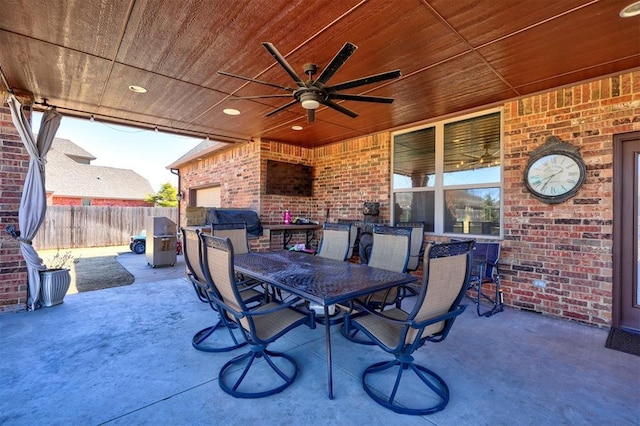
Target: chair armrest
{"points": [[452, 314], [259, 310], [378, 314], [219, 303], [248, 284]]}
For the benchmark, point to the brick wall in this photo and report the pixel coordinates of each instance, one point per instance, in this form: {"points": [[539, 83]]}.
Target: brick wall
{"points": [[14, 163], [349, 173], [76, 201], [568, 245], [272, 206]]}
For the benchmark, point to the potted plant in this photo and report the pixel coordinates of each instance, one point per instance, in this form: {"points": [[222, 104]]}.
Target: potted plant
{"points": [[56, 279]]}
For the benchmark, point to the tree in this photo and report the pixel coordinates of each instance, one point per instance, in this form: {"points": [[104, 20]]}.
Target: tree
{"points": [[167, 196], [490, 210]]}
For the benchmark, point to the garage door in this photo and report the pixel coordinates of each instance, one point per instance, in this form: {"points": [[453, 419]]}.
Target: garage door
{"points": [[208, 197]]}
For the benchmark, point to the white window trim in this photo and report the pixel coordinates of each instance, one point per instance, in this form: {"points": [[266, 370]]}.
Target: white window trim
{"points": [[439, 187]]}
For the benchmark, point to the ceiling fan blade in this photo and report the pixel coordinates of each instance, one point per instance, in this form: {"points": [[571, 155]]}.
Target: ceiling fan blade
{"points": [[311, 115], [277, 110], [335, 64], [475, 157], [266, 83], [360, 98], [340, 108], [236, 98], [366, 80], [283, 63]]}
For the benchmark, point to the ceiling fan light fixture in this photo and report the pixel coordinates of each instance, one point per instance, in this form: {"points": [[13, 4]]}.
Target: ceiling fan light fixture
{"points": [[310, 104], [631, 10]]}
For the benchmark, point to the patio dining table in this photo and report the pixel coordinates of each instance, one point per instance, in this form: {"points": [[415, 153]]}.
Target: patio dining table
{"points": [[319, 280]]}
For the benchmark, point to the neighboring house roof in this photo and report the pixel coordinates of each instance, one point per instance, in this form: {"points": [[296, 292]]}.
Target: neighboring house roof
{"points": [[72, 150], [203, 148], [68, 173]]}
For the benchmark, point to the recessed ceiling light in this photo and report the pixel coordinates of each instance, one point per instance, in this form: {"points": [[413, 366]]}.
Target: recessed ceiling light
{"points": [[137, 89], [231, 111], [632, 10], [297, 127]]}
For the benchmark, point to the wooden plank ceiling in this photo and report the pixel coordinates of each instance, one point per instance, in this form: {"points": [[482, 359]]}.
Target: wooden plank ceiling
{"points": [[454, 56]]}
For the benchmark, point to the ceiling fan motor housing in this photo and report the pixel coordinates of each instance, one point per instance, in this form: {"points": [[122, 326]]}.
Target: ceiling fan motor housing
{"points": [[310, 98]]}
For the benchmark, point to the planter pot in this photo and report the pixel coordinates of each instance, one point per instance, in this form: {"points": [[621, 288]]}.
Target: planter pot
{"points": [[54, 284]]}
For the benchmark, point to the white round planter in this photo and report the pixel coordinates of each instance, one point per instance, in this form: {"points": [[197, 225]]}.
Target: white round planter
{"points": [[54, 284]]}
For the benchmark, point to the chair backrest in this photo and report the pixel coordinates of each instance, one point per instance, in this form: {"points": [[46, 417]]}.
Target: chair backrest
{"points": [[236, 232], [353, 235], [390, 249], [444, 283], [417, 243], [336, 241], [487, 255], [192, 249], [219, 270]]}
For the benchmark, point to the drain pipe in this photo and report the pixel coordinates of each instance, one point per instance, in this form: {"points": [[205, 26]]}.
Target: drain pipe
{"points": [[180, 193]]}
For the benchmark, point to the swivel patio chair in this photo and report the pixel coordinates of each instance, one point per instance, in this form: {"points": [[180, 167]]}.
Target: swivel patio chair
{"points": [[243, 376], [336, 241], [354, 237], [237, 234], [335, 244], [417, 250], [484, 284], [417, 243], [202, 340], [390, 251], [401, 333]]}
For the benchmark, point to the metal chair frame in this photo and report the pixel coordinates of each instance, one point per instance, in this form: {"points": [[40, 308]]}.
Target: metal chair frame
{"points": [[203, 340], [234, 374], [380, 259], [430, 320], [485, 272]]}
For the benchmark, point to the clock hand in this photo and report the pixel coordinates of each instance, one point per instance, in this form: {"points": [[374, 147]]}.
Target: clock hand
{"points": [[546, 182]]}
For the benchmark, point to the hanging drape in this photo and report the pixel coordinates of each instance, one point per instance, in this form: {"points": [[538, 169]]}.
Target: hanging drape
{"points": [[33, 203]]}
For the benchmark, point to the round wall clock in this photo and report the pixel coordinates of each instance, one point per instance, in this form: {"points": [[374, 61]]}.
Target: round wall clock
{"points": [[555, 172]]}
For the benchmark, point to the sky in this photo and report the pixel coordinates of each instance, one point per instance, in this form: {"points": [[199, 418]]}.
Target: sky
{"points": [[146, 152]]}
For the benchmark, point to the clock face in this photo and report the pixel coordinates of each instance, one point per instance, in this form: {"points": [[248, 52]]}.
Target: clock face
{"points": [[554, 177]]}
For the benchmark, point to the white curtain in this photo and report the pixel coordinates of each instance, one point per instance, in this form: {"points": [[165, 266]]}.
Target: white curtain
{"points": [[33, 203]]}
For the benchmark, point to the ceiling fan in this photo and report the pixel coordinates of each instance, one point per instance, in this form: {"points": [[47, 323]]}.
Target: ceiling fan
{"points": [[313, 93], [485, 160]]}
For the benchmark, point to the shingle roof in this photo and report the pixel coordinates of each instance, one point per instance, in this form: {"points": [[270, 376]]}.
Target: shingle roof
{"points": [[68, 177], [72, 150], [203, 148]]}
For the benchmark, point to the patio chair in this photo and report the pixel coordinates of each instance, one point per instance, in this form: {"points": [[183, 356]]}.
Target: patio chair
{"points": [[401, 333], [417, 250], [245, 376], [202, 340], [484, 284], [336, 241], [238, 234], [390, 251], [417, 243]]}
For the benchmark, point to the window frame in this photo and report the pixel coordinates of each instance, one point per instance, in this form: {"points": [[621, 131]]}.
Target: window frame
{"points": [[439, 188]]}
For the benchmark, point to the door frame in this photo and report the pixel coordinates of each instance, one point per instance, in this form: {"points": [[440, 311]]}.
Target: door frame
{"points": [[618, 205]]}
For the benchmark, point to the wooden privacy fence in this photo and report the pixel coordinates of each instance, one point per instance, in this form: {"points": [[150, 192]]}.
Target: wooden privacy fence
{"points": [[94, 226]]}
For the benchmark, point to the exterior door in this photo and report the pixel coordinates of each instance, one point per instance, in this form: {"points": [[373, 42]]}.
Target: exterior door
{"points": [[626, 229]]}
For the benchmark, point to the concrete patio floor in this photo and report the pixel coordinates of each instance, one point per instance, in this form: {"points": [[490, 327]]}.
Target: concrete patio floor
{"points": [[124, 356]]}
